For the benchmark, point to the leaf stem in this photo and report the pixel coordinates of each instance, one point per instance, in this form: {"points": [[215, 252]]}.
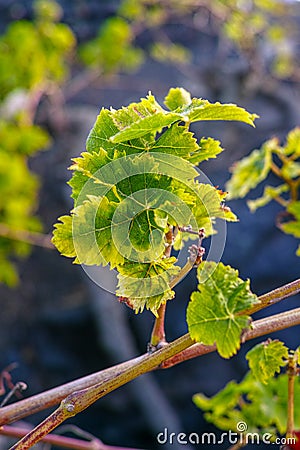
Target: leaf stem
{"points": [[158, 336], [183, 272]]}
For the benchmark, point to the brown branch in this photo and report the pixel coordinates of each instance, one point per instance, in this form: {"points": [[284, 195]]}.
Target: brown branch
{"points": [[275, 296], [62, 441], [292, 373], [258, 328], [31, 237], [52, 397], [80, 400]]}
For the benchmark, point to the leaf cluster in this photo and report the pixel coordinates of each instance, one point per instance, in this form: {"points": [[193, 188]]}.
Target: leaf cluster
{"points": [[260, 399], [135, 181], [247, 25], [35, 53], [18, 188], [284, 162]]}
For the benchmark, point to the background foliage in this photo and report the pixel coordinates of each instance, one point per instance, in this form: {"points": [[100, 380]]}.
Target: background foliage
{"points": [[55, 57]]}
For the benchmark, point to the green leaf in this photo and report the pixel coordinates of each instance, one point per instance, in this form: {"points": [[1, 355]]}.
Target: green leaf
{"points": [[200, 109], [290, 170], [92, 230], [146, 125], [250, 171], [266, 359], [177, 98], [293, 226], [178, 141], [148, 117], [269, 194], [261, 406], [63, 237], [209, 206], [100, 137], [112, 49], [87, 235], [147, 285], [208, 148], [292, 146], [214, 314], [171, 53], [8, 272], [85, 167]]}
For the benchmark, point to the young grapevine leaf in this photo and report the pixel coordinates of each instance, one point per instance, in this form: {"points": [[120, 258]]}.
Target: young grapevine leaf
{"points": [[208, 148], [266, 359], [176, 140], [148, 116], [292, 146], [200, 109], [250, 171], [214, 314], [137, 280], [270, 193], [261, 406], [177, 98], [112, 49], [135, 181], [293, 226], [63, 237]]}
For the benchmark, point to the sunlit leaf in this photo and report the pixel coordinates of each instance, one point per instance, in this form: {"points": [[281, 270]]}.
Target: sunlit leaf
{"points": [[270, 193], [177, 98], [262, 407], [215, 312], [293, 226], [250, 171], [266, 359], [147, 285]]}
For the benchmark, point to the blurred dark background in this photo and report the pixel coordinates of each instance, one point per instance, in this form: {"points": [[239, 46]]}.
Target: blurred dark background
{"points": [[56, 324]]}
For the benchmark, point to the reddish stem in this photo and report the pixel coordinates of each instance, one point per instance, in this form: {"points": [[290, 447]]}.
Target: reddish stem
{"points": [[62, 441]]}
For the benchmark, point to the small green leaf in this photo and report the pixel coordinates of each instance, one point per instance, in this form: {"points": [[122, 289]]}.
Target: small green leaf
{"points": [[291, 169], [208, 148], [250, 171], [84, 169], [200, 109], [63, 237], [136, 280], [292, 146], [177, 98], [262, 407], [8, 272], [177, 141], [151, 124], [293, 226], [266, 359], [209, 206], [269, 194], [148, 117], [214, 314]]}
